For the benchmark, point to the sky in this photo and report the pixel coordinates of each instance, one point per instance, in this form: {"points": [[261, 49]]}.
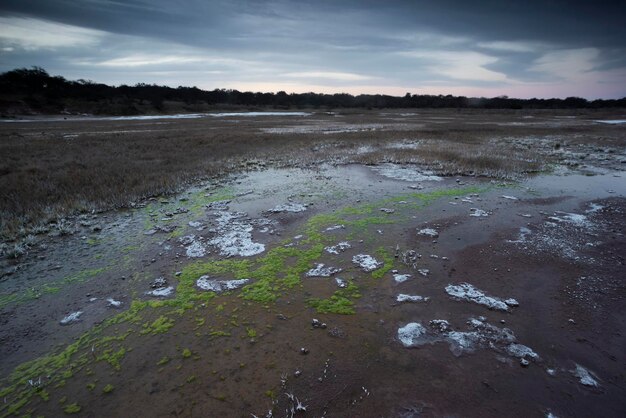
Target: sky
{"points": [[478, 48]]}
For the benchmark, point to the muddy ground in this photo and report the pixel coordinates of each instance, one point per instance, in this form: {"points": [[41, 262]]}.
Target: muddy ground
{"points": [[438, 295]]}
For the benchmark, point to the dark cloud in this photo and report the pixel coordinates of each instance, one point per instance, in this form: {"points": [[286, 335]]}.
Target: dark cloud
{"points": [[196, 22], [396, 43]]}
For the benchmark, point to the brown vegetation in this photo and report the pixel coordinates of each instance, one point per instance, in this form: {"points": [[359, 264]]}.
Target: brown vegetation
{"points": [[52, 169]]}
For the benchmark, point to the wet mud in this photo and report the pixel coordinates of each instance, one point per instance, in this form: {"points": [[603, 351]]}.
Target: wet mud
{"points": [[336, 291]]}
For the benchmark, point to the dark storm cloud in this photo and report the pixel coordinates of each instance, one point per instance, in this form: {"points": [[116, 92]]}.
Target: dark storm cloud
{"points": [[353, 44], [572, 23]]}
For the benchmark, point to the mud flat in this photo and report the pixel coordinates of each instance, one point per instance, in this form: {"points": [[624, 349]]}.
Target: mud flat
{"points": [[339, 290]]}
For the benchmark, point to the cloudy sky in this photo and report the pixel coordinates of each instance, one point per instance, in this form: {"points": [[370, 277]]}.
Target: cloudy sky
{"points": [[547, 48]]}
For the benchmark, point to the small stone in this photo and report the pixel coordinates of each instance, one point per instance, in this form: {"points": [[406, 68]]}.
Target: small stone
{"points": [[323, 326], [304, 351], [297, 373], [524, 363], [316, 323]]}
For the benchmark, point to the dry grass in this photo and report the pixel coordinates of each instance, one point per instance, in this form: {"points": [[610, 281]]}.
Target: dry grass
{"points": [[51, 170]]}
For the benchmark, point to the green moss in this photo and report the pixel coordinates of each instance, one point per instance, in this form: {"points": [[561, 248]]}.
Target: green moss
{"points": [[91, 386], [186, 353], [160, 325], [72, 408], [108, 388], [163, 361], [43, 394], [113, 357], [341, 302], [387, 263], [191, 379], [251, 332]]}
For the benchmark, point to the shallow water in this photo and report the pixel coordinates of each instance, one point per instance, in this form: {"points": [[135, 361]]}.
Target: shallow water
{"points": [[155, 117]]}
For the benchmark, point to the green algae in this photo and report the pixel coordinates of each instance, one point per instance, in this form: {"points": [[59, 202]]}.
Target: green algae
{"points": [[72, 408], [341, 302], [159, 326], [108, 388], [113, 357], [163, 361], [388, 261]]}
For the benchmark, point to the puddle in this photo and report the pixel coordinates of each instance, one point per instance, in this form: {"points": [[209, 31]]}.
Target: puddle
{"points": [[405, 173], [612, 121], [256, 114]]}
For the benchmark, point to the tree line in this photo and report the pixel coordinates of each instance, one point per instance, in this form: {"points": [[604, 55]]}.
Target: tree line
{"points": [[38, 88]]}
